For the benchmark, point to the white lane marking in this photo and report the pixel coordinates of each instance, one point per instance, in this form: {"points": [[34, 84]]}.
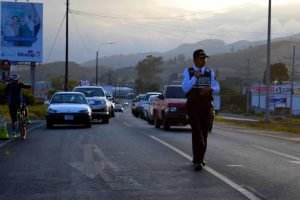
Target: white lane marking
{"points": [[235, 165], [126, 124], [277, 152], [38, 126], [266, 135], [241, 119], [18, 135], [295, 162], [232, 184], [4, 143], [262, 133]]}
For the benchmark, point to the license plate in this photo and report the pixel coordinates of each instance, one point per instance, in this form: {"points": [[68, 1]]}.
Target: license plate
{"points": [[69, 117]]}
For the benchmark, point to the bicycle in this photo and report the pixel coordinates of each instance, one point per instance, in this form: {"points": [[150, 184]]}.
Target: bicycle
{"points": [[21, 121]]}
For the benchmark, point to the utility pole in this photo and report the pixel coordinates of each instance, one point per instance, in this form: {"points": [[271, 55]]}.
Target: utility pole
{"points": [[259, 95], [267, 103], [67, 48], [32, 74], [292, 84], [109, 77]]}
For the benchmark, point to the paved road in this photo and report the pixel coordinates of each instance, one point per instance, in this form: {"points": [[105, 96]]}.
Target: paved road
{"points": [[129, 159]]}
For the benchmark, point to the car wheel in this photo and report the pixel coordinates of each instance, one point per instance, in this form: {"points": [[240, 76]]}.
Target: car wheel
{"points": [[151, 121], [112, 113], [166, 125], [49, 124], [105, 120], [88, 124]]}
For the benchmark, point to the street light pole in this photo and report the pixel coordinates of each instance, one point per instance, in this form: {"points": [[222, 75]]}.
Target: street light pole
{"points": [[97, 55], [97, 67]]}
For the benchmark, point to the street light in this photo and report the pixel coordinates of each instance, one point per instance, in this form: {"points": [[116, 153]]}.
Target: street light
{"points": [[97, 55]]}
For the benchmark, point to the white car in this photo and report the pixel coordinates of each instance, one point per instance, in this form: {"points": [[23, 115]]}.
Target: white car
{"points": [[119, 107], [68, 108]]}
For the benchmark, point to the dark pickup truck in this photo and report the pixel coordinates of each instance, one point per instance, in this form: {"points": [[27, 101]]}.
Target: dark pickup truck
{"points": [[169, 108]]}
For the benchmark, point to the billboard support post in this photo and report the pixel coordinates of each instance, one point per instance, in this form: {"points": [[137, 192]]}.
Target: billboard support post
{"points": [[32, 75]]}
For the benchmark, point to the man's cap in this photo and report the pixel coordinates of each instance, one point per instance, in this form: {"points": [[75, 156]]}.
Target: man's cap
{"points": [[14, 77], [200, 53]]}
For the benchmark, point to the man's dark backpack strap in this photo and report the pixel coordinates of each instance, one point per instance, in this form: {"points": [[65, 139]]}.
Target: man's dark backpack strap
{"points": [[191, 73]]}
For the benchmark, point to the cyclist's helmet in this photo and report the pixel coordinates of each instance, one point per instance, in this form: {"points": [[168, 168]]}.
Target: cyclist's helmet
{"points": [[14, 77]]}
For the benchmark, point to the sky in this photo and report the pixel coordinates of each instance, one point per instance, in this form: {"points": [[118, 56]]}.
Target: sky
{"points": [[136, 26]]}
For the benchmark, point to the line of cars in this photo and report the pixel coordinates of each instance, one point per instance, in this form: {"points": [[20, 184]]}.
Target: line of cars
{"points": [[81, 106], [164, 109]]}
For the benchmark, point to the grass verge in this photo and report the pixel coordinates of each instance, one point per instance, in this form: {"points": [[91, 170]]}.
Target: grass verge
{"points": [[283, 125], [35, 112]]}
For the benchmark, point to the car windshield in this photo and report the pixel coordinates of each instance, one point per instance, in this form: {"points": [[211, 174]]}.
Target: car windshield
{"points": [[149, 95], [69, 98], [174, 92], [140, 98], [91, 92]]}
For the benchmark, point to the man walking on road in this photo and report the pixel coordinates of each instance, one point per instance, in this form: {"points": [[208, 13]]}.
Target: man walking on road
{"points": [[199, 83]]}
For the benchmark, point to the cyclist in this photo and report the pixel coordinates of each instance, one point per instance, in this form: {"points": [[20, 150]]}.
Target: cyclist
{"points": [[13, 92]]}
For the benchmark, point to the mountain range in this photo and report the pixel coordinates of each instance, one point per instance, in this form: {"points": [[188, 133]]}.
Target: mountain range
{"points": [[242, 59], [211, 46]]}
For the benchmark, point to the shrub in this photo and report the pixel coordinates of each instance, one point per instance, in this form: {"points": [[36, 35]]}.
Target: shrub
{"points": [[28, 97], [2, 95]]}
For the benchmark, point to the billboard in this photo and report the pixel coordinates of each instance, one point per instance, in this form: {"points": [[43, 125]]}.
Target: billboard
{"points": [[279, 101], [275, 89], [21, 31]]}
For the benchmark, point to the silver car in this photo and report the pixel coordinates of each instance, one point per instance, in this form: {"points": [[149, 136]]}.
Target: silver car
{"points": [[100, 108], [68, 108], [98, 101]]}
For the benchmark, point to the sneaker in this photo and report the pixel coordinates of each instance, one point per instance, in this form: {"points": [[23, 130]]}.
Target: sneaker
{"points": [[27, 121], [13, 134]]}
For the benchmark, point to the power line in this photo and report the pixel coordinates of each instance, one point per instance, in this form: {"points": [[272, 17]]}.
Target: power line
{"points": [[153, 28], [120, 20], [129, 17], [196, 13], [80, 35], [56, 36]]}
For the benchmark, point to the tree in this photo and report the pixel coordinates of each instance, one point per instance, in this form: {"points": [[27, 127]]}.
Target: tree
{"points": [[181, 58], [278, 72], [57, 83], [147, 72]]}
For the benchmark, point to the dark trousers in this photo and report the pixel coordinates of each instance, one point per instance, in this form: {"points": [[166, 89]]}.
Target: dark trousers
{"points": [[199, 118]]}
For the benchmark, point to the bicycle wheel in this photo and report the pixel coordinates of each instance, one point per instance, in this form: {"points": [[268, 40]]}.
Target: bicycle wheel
{"points": [[22, 126]]}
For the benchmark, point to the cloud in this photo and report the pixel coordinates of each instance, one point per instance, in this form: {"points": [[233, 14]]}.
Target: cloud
{"points": [[158, 25]]}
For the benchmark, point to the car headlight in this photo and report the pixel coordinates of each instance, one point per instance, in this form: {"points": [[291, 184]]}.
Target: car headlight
{"points": [[172, 109], [50, 110], [91, 102], [84, 111]]}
